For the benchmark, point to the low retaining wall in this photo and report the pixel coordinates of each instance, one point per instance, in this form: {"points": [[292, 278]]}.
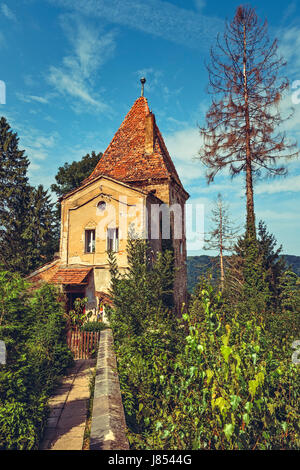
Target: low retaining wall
{"points": [[108, 429]]}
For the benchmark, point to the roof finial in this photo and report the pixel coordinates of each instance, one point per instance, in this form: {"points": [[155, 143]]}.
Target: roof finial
{"points": [[143, 81]]}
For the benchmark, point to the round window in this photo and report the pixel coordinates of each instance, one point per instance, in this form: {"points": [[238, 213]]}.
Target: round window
{"points": [[101, 206]]}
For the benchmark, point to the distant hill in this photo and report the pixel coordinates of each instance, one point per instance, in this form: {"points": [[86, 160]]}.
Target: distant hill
{"points": [[198, 265]]}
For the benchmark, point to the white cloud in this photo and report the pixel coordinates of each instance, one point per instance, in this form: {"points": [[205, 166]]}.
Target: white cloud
{"points": [[30, 98], [37, 145], [288, 184], [91, 48], [156, 17], [183, 147], [289, 47], [8, 13]]}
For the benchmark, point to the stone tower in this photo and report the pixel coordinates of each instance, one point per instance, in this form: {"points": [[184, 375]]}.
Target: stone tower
{"points": [[135, 165]]}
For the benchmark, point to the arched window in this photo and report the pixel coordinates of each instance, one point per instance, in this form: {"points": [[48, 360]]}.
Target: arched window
{"points": [[101, 206]]}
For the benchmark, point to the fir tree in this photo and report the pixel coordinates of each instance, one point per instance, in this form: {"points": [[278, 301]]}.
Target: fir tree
{"points": [[14, 199], [248, 285], [290, 292], [27, 231], [143, 292], [40, 230], [273, 264]]}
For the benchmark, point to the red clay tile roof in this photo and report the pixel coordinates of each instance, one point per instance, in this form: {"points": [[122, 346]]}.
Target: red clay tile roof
{"points": [[70, 276], [125, 158]]}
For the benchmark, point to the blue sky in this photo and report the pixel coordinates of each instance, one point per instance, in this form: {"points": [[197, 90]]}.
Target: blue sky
{"points": [[72, 72]]}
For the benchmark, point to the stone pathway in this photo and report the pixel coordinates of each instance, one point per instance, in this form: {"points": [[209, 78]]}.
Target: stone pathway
{"points": [[68, 409]]}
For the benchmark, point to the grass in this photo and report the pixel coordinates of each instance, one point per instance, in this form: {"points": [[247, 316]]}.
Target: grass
{"points": [[88, 424]]}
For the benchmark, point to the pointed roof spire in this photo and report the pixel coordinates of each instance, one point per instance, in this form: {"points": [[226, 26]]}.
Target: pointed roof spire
{"points": [[137, 151], [143, 81]]}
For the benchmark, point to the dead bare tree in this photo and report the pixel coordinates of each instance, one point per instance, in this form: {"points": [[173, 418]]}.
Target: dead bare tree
{"points": [[241, 123], [223, 234]]}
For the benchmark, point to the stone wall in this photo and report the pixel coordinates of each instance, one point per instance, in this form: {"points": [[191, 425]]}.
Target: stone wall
{"points": [[108, 429]]}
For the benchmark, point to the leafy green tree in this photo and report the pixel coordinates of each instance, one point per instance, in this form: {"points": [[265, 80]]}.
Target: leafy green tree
{"points": [[32, 324], [248, 286], [71, 175], [141, 318], [286, 321], [219, 386]]}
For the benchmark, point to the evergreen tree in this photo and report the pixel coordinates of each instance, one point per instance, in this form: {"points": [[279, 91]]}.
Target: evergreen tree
{"points": [[27, 231], [14, 199], [256, 270], [143, 292], [290, 292], [40, 232], [247, 285], [273, 264]]}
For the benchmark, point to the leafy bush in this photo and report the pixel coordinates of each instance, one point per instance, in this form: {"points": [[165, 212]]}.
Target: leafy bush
{"points": [[94, 326], [207, 381], [33, 327]]}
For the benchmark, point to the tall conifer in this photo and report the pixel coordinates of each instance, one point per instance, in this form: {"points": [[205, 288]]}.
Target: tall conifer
{"points": [[14, 198]]}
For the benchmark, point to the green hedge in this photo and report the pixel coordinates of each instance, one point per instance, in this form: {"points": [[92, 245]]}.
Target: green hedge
{"points": [[94, 326], [213, 383]]}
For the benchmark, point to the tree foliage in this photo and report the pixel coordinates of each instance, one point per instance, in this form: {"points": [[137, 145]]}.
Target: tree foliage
{"points": [[213, 379], [32, 325], [71, 175], [212, 383], [145, 290]]}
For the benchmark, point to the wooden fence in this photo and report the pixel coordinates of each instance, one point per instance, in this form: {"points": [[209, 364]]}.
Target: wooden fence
{"points": [[83, 343]]}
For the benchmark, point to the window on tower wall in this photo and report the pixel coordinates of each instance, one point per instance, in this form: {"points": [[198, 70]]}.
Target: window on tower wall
{"points": [[113, 239], [90, 241]]}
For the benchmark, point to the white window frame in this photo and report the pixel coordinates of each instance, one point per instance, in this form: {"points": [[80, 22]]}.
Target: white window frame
{"points": [[112, 239], [89, 240]]}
